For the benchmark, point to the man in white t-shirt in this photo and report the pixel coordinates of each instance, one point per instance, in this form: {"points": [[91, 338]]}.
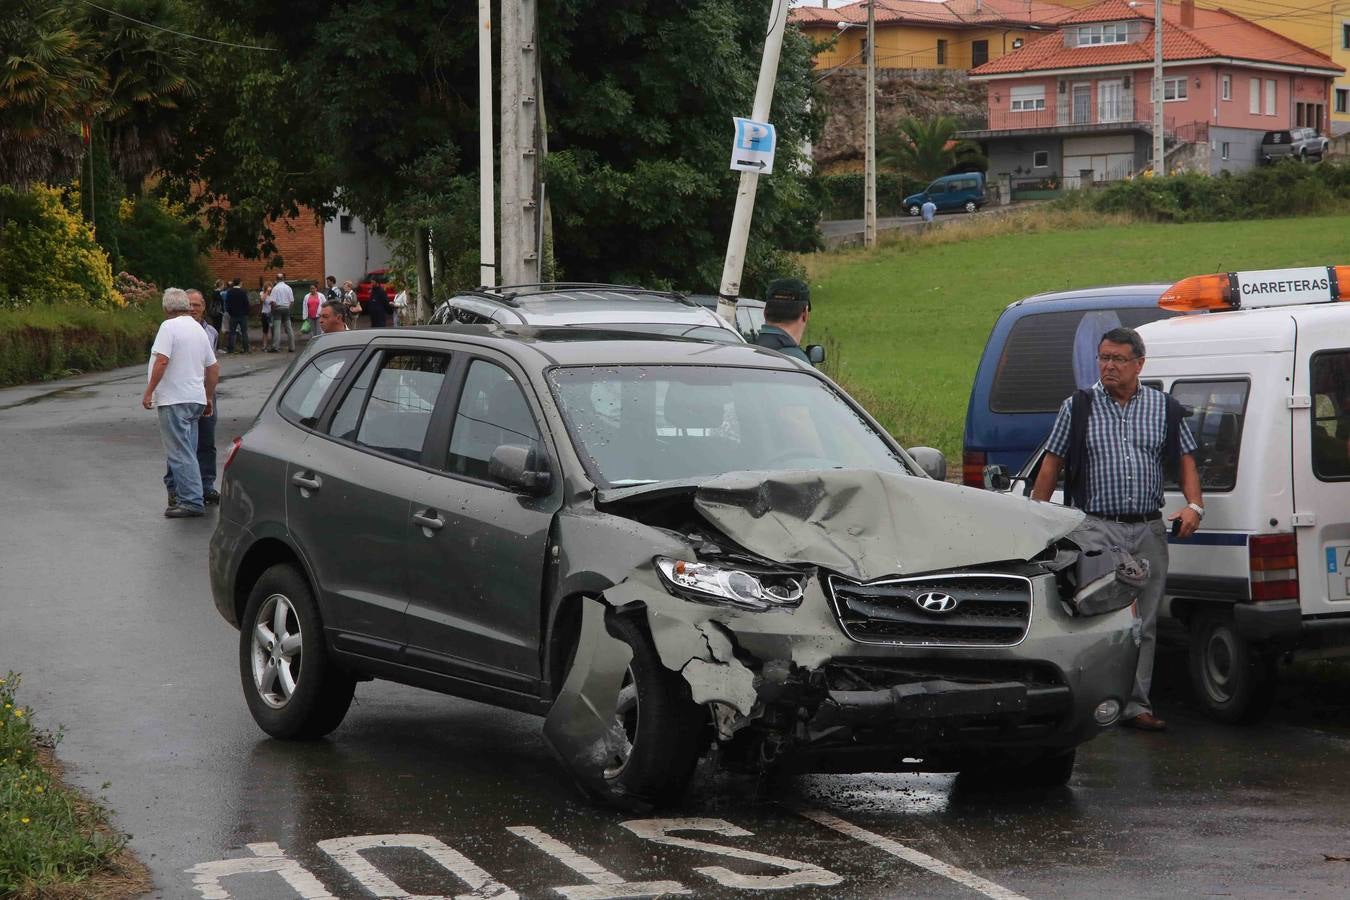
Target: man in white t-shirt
{"points": [[181, 385], [282, 298]]}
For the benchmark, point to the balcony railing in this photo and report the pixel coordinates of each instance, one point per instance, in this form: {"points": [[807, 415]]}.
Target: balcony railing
{"points": [[1095, 116]]}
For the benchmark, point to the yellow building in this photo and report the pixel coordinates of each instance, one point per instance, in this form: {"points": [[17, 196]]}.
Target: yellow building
{"points": [[927, 34], [1322, 25]]}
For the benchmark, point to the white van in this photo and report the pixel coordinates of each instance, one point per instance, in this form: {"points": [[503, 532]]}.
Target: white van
{"points": [[1266, 374]]}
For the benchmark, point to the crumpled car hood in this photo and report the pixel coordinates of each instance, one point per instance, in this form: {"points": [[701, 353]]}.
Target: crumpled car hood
{"points": [[866, 524]]}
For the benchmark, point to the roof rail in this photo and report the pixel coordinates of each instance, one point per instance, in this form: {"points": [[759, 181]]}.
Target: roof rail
{"points": [[516, 289], [507, 298]]}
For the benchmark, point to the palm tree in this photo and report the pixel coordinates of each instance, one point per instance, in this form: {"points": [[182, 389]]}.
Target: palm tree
{"points": [[927, 150]]}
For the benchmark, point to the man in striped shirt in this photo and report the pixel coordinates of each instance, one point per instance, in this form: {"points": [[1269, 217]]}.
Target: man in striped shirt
{"points": [[1116, 438]]}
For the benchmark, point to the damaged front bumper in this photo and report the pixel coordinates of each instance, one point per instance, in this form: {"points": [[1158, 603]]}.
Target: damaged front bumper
{"points": [[790, 687]]}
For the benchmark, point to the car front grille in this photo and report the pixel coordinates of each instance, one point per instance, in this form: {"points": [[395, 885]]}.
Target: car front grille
{"points": [[980, 610]]}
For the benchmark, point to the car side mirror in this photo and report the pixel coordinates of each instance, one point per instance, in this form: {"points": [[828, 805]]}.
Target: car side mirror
{"points": [[516, 467], [931, 461], [815, 353], [996, 478]]}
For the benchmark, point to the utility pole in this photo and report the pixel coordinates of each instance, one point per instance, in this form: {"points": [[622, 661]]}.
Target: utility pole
{"points": [[487, 211], [745, 196], [519, 262], [1159, 166], [870, 151]]}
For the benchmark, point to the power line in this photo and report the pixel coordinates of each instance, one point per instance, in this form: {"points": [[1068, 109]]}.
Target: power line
{"points": [[182, 34]]}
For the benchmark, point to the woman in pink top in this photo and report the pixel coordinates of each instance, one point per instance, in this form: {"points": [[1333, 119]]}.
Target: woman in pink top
{"points": [[313, 300]]}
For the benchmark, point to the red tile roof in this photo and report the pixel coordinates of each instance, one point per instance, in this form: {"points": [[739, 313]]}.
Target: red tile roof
{"points": [[1216, 33], [950, 13]]}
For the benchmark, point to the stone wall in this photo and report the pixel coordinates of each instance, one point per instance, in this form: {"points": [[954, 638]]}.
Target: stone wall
{"points": [[921, 93]]}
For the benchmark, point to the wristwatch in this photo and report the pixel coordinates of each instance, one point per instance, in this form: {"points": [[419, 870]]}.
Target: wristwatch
{"points": [[1198, 509]]}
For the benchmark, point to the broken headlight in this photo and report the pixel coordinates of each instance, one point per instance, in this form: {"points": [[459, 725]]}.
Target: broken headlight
{"points": [[713, 584]]}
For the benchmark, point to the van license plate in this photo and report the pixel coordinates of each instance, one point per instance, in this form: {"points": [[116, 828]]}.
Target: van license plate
{"points": [[1338, 571]]}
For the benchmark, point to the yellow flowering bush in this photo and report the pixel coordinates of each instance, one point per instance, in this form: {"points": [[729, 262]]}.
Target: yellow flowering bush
{"points": [[48, 253]]}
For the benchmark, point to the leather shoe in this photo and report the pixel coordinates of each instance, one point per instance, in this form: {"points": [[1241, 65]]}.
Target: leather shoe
{"points": [[210, 497], [182, 512], [1145, 722]]}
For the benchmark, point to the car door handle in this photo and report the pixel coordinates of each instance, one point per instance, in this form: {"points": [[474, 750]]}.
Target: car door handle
{"points": [[300, 479], [429, 519]]}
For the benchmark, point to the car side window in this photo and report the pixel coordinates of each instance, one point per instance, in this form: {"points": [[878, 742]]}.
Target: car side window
{"points": [[1217, 412], [492, 411], [937, 188], [1331, 415], [300, 404], [389, 407]]}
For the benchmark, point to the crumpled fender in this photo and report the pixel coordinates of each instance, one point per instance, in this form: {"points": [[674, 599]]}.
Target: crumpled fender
{"points": [[866, 524]]}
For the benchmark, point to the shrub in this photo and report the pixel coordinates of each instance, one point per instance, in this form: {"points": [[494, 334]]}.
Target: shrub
{"points": [[48, 253], [160, 244], [844, 194], [136, 292]]}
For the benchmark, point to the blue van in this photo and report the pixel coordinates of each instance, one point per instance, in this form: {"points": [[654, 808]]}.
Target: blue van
{"points": [[1041, 350], [962, 191]]}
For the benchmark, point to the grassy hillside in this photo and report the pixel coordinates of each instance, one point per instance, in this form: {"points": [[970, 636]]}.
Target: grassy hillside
{"points": [[906, 324]]}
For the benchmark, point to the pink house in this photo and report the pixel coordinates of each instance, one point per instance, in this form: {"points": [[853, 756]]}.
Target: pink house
{"points": [[1076, 105]]}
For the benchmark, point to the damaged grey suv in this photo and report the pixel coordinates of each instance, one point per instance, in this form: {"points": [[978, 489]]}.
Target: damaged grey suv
{"points": [[665, 547]]}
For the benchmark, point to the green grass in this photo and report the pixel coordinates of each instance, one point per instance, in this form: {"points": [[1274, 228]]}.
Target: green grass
{"points": [[906, 323], [42, 342], [50, 838]]}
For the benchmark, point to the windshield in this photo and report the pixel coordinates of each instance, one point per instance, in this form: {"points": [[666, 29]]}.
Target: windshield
{"points": [[645, 424]]}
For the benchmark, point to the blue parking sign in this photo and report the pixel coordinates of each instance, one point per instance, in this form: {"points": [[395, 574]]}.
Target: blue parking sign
{"points": [[753, 148]]}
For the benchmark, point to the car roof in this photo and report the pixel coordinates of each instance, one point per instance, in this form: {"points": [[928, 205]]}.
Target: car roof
{"points": [[570, 346], [1087, 298], [1263, 330]]}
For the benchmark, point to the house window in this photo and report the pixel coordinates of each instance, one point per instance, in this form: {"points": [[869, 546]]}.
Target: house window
{"points": [[345, 225], [1174, 88], [941, 52], [1270, 96], [1254, 98], [1228, 87], [1040, 159], [1345, 35], [1298, 115], [1027, 99], [1017, 43], [979, 53], [1224, 150], [1342, 100], [1109, 33]]}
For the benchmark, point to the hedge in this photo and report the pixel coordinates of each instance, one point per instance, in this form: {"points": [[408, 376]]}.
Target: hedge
{"points": [[844, 194], [45, 342]]}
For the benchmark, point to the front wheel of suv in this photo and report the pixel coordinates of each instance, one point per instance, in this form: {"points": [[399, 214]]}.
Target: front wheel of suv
{"points": [[663, 727], [292, 689]]}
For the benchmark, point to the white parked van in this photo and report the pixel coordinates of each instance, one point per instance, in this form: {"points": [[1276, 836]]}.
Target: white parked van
{"points": [[1266, 375]]}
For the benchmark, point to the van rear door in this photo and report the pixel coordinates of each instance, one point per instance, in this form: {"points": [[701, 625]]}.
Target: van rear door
{"points": [[1321, 463]]}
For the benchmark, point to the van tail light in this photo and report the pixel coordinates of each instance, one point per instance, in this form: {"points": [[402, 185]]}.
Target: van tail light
{"points": [[229, 457], [1274, 566], [972, 468]]}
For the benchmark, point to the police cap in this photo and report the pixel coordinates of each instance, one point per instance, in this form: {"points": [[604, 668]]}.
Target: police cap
{"points": [[787, 299]]}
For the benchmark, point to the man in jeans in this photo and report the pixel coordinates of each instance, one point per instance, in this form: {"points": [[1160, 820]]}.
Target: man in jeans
{"points": [[1116, 438], [206, 425], [282, 298], [181, 386]]}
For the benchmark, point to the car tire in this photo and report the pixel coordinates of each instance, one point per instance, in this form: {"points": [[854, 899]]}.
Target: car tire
{"points": [[1049, 770], [1233, 681], [914, 211], [665, 728], [971, 206], [293, 690]]}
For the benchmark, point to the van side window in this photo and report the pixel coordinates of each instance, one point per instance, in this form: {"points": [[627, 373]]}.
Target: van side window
{"points": [[1036, 369], [1217, 411], [1331, 415]]}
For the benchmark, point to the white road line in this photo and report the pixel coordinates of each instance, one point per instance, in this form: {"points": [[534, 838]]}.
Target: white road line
{"points": [[912, 856], [604, 884]]}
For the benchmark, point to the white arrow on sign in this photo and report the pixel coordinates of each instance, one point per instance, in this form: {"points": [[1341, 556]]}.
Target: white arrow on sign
{"points": [[754, 146]]}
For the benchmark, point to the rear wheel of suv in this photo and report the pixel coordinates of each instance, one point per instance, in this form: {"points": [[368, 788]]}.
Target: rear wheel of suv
{"points": [[292, 689], [1232, 680], [663, 726]]}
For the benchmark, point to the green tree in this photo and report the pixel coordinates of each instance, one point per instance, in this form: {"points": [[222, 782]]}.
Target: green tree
{"points": [[927, 150]]}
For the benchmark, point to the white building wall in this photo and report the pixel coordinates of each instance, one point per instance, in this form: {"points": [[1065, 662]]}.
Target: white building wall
{"points": [[351, 254]]}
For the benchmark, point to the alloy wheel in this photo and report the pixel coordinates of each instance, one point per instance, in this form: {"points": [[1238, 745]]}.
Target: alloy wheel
{"points": [[625, 732], [277, 651]]}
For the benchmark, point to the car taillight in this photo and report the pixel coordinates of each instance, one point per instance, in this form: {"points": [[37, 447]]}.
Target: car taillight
{"points": [[1274, 566], [229, 457], [972, 468]]}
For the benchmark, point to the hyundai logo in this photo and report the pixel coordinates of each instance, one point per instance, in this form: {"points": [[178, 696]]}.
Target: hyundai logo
{"points": [[935, 602]]}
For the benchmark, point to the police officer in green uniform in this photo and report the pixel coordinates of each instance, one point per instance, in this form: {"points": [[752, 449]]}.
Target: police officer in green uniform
{"points": [[786, 311]]}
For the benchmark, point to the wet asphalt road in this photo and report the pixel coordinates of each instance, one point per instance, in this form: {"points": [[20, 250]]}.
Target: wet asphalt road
{"points": [[105, 610]]}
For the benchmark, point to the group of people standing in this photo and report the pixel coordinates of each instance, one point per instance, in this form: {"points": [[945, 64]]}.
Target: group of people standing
{"points": [[232, 308]]}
